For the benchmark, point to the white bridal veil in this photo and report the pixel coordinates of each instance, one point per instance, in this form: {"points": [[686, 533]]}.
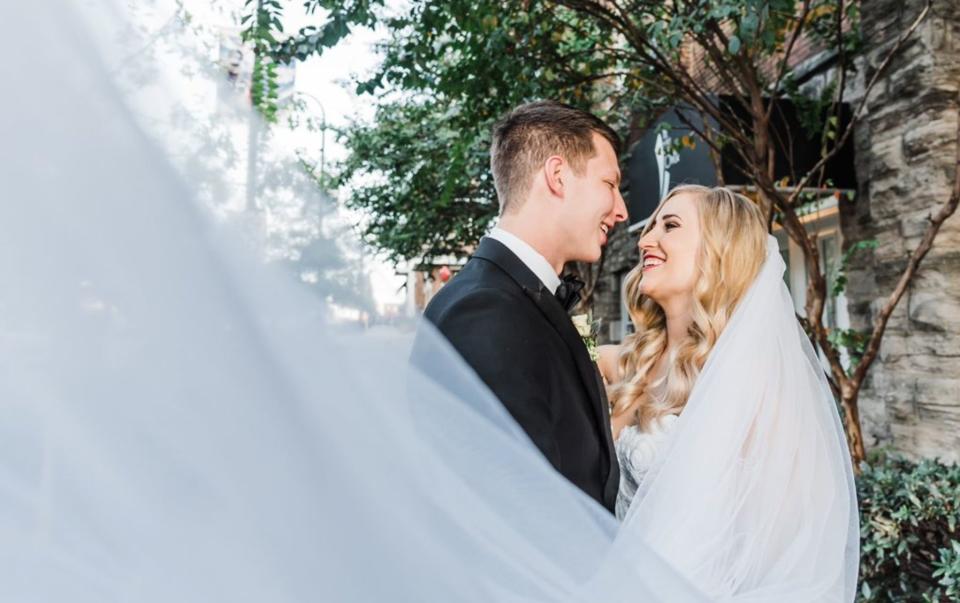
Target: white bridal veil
{"points": [[753, 496], [181, 422]]}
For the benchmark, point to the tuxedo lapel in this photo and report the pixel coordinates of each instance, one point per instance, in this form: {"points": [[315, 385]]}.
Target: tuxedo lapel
{"points": [[496, 252], [589, 374], [561, 322]]}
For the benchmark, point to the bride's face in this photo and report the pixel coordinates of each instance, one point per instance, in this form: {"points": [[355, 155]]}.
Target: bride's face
{"points": [[669, 250]]}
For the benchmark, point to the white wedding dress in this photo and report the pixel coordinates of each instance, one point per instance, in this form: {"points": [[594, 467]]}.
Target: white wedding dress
{"points": [[636, 452], [181, 422]]}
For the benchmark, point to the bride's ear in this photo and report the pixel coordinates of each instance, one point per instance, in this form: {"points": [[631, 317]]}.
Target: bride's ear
{"points": [[553, 171]]}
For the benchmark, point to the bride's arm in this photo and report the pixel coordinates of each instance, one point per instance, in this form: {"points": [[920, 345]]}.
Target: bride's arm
{"points": [[607, 362]]}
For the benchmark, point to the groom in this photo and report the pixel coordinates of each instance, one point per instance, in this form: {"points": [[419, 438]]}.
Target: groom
{"points": [[557, 178]]}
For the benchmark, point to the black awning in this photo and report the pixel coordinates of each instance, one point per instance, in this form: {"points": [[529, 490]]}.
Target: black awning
{"points": [[670, 153]]}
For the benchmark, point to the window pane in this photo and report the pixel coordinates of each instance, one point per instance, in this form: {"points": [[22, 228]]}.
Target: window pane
{"points": [[785, 254], [829, 258]]}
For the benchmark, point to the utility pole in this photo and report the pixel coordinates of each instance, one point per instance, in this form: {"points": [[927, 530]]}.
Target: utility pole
{"points": [[323, 136], [253, 140]]}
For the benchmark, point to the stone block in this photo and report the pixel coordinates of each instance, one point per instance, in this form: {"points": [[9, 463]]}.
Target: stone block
{"points": [[874, 422], [926, 205], [941, 444], [889, 250], [933, 312], [932, 138], [939, 394], [860, 284], [893, 346], [886, 157]]}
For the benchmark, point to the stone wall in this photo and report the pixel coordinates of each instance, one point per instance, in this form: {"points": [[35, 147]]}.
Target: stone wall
{"points": [[905, 166]]}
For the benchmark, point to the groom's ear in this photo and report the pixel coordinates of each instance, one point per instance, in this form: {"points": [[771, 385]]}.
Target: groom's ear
{"points": [[554, 173]]}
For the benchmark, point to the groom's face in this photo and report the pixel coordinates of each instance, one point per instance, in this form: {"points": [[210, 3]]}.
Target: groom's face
{"points": [[592, 203]]}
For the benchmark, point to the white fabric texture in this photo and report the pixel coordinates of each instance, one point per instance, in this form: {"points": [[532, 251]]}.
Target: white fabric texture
{"points": [[529, 256], [179, 422], [752, 495], [636, 451]]}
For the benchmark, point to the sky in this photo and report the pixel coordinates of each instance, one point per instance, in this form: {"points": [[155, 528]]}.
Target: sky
{"points": [[325, 78]]}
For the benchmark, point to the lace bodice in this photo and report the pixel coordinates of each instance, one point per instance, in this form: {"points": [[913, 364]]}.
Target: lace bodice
{"points": [[636, 451]]}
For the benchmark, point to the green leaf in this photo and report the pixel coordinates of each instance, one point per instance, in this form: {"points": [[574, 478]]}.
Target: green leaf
{"points": [[748, 26], [734, 45]]}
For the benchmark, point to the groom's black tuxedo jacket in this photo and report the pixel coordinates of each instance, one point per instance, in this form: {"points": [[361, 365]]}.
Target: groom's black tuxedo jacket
{"points": [[515, 334]]}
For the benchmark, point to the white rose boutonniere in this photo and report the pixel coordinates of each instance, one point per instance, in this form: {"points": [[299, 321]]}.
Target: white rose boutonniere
{"points": [[588, 332]]}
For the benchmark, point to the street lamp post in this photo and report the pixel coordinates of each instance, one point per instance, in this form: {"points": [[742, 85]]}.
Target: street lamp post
{"points": [[323, 135]]}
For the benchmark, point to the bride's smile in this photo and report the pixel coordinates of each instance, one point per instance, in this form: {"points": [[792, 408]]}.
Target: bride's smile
{"points": [[668, 251]]}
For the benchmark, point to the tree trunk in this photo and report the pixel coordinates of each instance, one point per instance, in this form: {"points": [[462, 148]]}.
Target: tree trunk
{"points": [[851, 419]]}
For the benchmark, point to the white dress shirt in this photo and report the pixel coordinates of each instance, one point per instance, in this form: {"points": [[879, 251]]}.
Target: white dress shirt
{"points": [[529, 256]]}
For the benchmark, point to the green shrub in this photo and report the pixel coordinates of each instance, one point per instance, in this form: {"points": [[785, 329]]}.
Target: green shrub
{"points": [[909, 537]]}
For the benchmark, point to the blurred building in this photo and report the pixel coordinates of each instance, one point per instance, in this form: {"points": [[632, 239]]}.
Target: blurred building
{"points": [[236, 58], [425, 280]]}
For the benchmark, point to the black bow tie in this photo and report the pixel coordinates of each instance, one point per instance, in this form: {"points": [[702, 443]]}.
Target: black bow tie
{"points": [[568, 293]]}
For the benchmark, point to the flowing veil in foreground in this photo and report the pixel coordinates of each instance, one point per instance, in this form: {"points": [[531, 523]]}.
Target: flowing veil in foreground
{"points": [[180, 421]]}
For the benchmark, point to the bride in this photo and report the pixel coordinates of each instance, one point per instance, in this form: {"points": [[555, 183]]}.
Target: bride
{"points": [[179, 422], [700, 251], [732, 462]]}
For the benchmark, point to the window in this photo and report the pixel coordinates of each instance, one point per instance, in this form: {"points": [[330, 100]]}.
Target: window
{"points": [[785, 254], [828, 245]]}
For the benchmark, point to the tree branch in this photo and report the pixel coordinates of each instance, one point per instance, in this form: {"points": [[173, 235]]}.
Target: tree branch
{"points": [[650, 55], [855, 118], [785, 62]]}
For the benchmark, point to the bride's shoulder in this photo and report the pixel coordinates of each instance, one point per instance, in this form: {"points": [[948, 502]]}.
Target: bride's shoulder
{"points": [[607, 362]]}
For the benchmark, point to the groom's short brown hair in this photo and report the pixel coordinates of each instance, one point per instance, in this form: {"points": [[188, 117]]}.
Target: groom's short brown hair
{"points": [[531, 133]]}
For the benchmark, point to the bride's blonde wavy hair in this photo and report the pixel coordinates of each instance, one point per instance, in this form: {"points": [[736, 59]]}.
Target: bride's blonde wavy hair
{"points": [[732, 250]]}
